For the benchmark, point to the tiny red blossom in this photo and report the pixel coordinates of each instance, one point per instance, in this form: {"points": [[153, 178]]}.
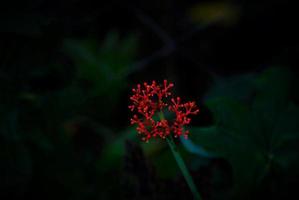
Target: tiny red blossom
{"points": [[151, 99]]}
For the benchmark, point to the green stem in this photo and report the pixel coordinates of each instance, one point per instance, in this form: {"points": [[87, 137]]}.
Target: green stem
{"points": [[183, 168], [182, 164]]}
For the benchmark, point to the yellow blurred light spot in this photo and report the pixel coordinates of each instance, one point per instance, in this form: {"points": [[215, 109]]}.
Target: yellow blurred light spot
{"points": [[215, 12]]}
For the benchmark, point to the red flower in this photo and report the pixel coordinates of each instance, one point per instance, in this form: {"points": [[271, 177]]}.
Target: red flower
{"points": [[150, 99]]}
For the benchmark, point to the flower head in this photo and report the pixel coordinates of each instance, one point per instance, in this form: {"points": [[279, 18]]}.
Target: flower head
{"points": [[151, 99]]}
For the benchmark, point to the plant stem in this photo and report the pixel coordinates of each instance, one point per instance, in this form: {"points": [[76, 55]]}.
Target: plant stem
{"points": [[183, 168], [181, 164]]}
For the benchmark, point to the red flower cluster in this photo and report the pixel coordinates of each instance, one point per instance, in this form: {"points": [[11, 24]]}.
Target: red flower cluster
{"points": [[151, 99]]}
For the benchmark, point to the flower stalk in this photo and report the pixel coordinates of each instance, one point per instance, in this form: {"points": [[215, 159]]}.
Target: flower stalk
{"points": [[151, 99], [178, 158], [183, 168]]}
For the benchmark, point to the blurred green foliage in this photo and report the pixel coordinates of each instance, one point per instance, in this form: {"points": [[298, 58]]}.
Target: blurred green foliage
{"points": [[51, 138], [104, 66], [256, 127]]}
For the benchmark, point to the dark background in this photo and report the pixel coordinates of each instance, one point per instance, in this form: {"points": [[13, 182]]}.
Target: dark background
{"points": [[66, 73]]}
